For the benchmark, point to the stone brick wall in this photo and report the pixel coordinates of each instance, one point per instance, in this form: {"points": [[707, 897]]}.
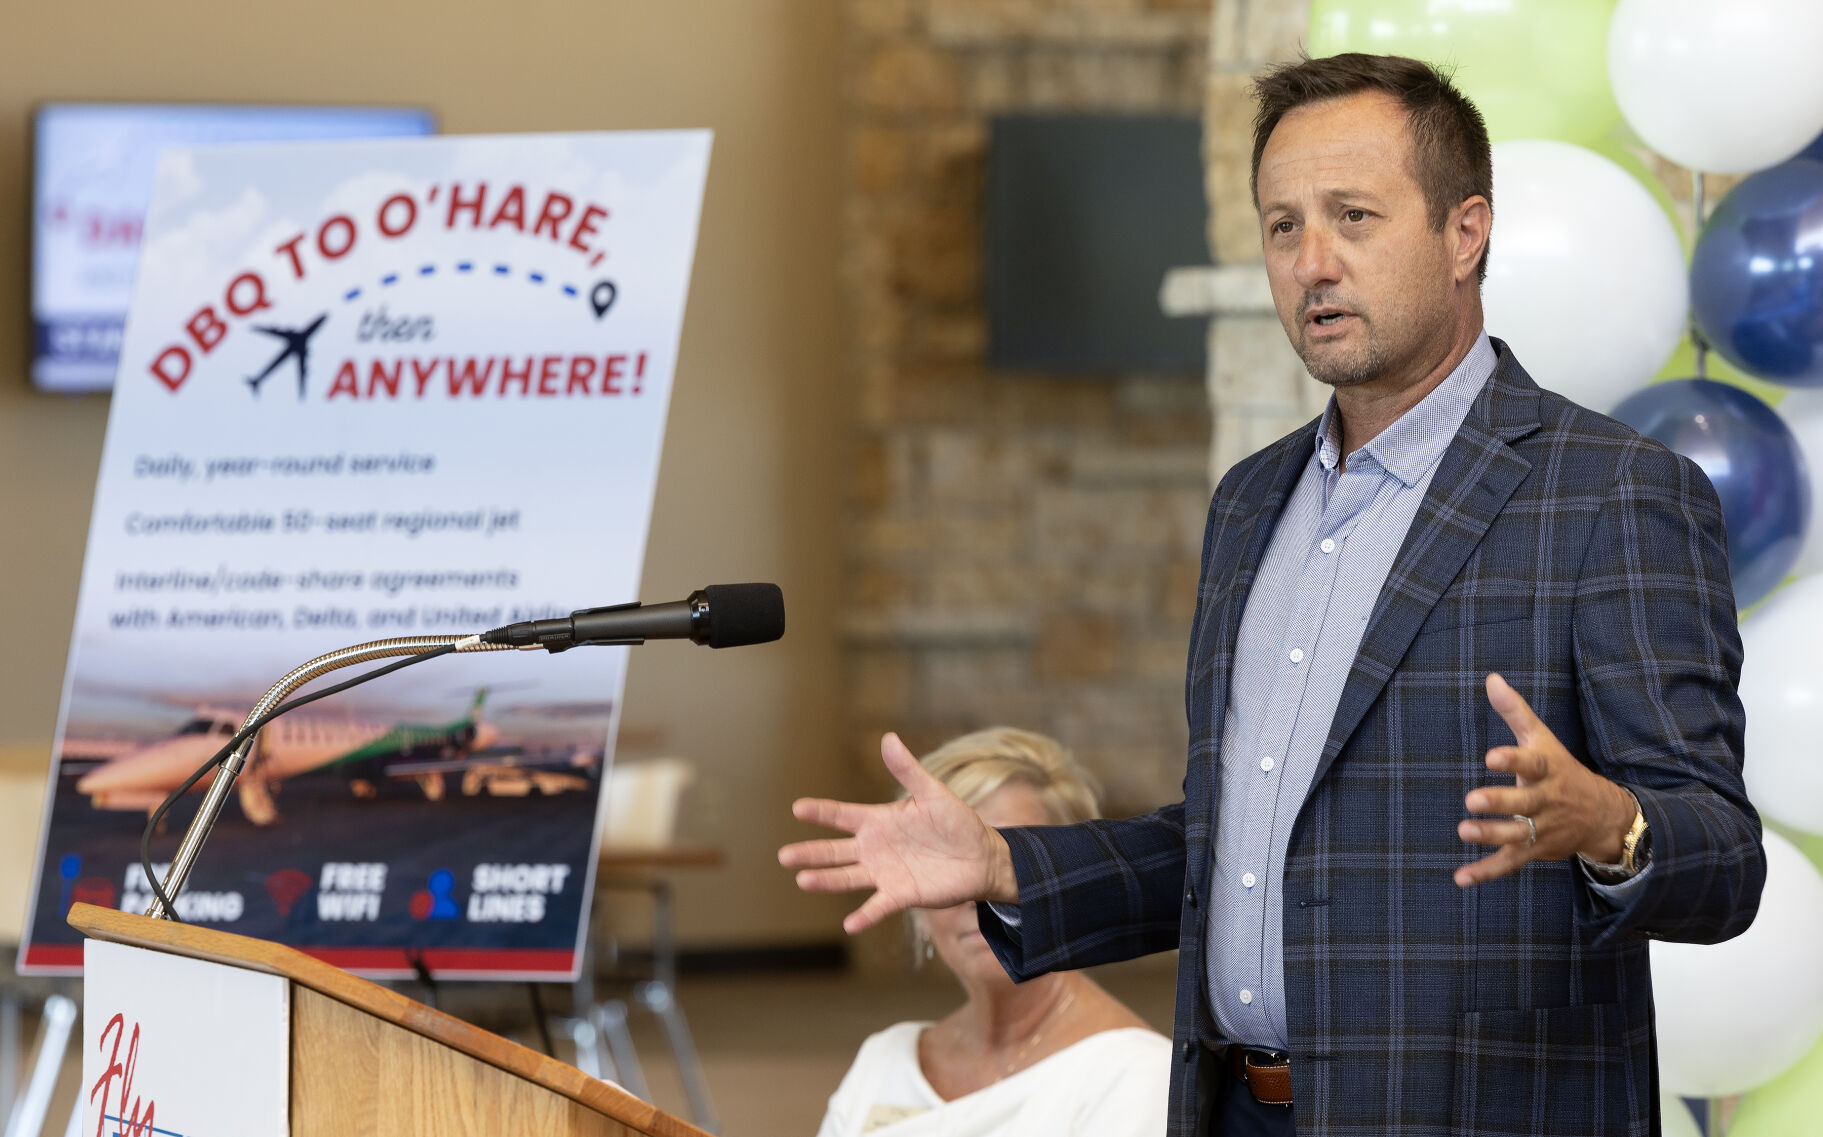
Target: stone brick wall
{"points": [[1021, 549]]}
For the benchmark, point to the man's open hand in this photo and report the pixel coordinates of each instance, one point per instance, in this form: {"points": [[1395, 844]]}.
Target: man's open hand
{"points": [[1575, 809], [930, 850]]}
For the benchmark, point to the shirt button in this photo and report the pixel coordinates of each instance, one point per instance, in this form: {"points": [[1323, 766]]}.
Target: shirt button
{"points": [[1246, 997], [1297, 655], [1247, 880], [1328, 545], [1266, 763]]}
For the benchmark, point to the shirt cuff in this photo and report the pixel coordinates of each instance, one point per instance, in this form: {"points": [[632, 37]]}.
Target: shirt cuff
{"points": [[1615, 896], [1008, 913]]}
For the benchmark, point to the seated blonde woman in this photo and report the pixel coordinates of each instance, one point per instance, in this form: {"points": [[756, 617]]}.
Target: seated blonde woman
{"points": [[1049, 1058]]}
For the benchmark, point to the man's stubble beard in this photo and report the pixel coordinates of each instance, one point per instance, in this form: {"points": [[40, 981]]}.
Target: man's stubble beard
{"points": [[1365, 363]]}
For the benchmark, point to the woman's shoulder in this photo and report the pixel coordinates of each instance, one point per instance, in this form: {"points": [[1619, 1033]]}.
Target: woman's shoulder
{"points": [[1139, 1043], [884, 1073], [1114, 1083], [1121, 1053]]}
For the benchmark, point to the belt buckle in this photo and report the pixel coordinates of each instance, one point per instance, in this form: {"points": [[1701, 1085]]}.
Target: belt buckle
{"points": [[1272, 1058]]}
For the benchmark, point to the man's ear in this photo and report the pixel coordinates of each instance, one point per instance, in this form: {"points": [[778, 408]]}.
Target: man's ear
{"points": [[1470, 224]]}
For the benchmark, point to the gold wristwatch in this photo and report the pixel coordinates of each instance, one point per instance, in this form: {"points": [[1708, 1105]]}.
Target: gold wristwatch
{"points": [[1635, 851]]}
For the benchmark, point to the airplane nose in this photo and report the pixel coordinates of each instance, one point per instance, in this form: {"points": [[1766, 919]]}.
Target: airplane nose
{"points": [[159, 766]]}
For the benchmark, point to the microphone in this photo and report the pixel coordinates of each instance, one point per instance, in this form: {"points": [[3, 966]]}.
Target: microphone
{"points": [[721, 615]]}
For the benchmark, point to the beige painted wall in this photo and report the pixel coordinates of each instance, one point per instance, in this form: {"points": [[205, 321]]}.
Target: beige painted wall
{"points": [[748, 487]]}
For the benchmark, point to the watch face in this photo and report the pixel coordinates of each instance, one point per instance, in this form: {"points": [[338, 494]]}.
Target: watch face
{"points": [[1638, 844]]}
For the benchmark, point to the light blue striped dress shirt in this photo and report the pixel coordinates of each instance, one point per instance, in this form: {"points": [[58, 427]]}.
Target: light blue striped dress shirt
{"points": [[1316, 586]]}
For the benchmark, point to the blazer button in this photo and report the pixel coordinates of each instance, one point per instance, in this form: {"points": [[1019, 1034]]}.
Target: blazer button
{"points": [[1189, 1051], [1190, 895]]}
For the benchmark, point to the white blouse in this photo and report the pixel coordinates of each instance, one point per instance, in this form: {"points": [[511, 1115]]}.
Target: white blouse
{"points": [[1111, 1084]]}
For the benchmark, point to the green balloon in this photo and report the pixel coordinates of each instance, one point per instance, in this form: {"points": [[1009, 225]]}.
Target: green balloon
{"points": [[1811, 845], [1791, 1105], [1536, 68]]}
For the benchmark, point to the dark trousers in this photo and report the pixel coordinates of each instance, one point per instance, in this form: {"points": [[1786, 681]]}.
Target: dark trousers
{"points": [[1238, 1113]]}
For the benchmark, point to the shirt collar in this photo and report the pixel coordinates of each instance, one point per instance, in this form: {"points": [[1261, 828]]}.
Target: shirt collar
{"points": [[1412, 444]]}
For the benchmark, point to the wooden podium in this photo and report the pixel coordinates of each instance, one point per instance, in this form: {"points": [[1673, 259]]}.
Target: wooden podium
{"points": [[365, 1059]]}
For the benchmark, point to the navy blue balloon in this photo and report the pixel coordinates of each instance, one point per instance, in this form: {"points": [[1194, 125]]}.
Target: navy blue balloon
{"points": [[1756, 278], [1752, 459]]}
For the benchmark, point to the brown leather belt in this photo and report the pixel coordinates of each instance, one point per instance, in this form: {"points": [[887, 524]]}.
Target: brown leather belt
{"points": [[1268, 1076]]}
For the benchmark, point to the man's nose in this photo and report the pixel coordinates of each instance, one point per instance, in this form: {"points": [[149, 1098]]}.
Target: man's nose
{"points": [[1317, 264]]}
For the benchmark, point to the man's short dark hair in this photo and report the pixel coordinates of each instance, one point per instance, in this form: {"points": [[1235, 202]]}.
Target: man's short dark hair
{"points": [[1451, 159]]}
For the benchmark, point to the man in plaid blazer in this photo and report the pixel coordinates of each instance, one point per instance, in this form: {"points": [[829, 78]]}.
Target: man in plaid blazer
{"points": [[1456, 612]]}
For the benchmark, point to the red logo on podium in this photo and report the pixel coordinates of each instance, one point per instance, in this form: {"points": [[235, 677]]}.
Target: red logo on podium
{"points": [[130, 1121]]}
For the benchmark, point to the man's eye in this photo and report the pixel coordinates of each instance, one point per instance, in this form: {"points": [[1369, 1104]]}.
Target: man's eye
{"points": [[1355, 214], [1281, 227]]}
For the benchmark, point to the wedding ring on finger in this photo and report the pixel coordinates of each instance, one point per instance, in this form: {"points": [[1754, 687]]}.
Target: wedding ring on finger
{"points": [[1532, 837]]}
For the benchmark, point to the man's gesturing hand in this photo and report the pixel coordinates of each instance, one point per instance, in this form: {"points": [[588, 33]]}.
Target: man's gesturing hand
{"points": [[930, 850], [1575, 809]]}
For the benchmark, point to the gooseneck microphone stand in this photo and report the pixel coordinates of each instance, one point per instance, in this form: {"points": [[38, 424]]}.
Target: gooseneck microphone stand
{"points": [[223, 782], [721, 615]]}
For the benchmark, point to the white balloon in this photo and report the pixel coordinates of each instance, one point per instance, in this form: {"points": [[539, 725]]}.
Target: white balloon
{"points": [[1782, 692], [1803, 411], [1735, 1015], [1586, 279], [1727, 86]]}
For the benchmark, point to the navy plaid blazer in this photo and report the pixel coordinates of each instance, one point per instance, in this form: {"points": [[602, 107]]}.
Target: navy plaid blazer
{"points": [[1588, 566]]}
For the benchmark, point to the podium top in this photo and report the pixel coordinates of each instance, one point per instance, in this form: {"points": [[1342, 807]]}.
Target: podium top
{"points": [[276, 959]]}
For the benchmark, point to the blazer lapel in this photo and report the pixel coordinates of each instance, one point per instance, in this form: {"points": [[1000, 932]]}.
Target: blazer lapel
{"points": [[1475, 477]]}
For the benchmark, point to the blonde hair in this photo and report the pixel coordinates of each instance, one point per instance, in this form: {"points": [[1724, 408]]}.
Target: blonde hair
{"points": [[974, 765]]}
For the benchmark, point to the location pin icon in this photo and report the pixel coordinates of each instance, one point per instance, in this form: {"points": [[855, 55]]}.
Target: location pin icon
{"points": [[601, 297]]}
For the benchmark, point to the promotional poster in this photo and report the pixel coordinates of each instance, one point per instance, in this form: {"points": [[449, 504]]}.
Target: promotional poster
{"points": [[367, 390]]}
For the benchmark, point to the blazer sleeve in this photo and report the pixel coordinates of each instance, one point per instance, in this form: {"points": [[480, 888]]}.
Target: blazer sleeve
{"points": [[1093, 893], [1658, 658]]}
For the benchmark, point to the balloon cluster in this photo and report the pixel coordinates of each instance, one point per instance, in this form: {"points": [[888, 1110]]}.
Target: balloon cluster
{"points": [[1587, 281]]}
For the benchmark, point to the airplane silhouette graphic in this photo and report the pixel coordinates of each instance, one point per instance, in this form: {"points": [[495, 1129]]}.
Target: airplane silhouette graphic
{"points": [[297, 346]]}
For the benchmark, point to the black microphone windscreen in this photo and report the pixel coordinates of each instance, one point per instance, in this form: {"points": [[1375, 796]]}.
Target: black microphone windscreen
{"points": [[741, 614]]}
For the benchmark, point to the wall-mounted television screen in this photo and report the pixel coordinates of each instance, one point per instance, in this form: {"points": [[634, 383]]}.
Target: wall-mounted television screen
{"points": [[91, 182], [1086, 213]]}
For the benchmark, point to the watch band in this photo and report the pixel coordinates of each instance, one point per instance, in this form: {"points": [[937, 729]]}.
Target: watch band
{"points": [[1634, 851]]}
